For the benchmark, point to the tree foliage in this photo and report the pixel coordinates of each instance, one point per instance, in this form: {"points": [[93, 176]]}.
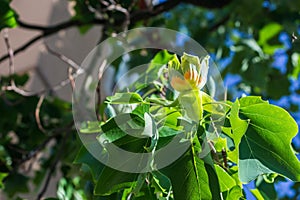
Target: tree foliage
{"points": [[255, 47]]}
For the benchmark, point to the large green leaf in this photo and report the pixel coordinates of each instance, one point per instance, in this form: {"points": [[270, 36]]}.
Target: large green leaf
{"points": [[112, 180], [266, 145], [192, 178]]}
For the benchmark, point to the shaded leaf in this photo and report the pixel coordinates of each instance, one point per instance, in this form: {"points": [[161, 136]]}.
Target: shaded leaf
{"points": [[84, 157], [111, 181], [2, 176], [193, 181]]}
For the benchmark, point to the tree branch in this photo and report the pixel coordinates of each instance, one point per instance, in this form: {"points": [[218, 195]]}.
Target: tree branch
{"points": [[158, 9], [211, 4], [47, 31], [37, 114], [134, 17]]}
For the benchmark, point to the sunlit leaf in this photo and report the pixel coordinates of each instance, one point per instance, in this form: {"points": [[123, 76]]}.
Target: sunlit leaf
{"points": [[266, 145], [124, 98]]}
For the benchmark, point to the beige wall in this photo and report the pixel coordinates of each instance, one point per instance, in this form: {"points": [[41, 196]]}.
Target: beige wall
{"points": [[44, 68]]}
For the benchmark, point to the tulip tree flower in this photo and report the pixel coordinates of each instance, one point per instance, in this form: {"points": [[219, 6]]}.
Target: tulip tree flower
{"points": [[188, 77]]}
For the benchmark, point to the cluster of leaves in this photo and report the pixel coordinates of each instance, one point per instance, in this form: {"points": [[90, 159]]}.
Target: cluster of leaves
{"points": [[254, 143], [248, 45], [28, 153]]}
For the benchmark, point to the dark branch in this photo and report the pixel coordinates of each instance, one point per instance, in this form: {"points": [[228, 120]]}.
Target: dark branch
{"points": [[58, 27], [134, 17], [211, 4], [47, 31], [158, 9]]}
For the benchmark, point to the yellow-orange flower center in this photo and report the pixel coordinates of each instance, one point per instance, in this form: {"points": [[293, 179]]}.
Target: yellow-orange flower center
{"points": [[193, 77]]}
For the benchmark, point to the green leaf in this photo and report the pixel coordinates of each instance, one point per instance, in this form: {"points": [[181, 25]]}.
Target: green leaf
{"points": [[250, 100], [270, 49], [141, 109], [220, 144], [235, 193], [266, 146], [2, 176], [267, 190], [226, 181], [124, 98], [168, 116], [268, 32], [192, 178], [95, 166], [111, 181], [173, 63], [257, 194], [7, 15], [161, 58], [160, 182], [239, 127], [166, 131], [121, 125]]}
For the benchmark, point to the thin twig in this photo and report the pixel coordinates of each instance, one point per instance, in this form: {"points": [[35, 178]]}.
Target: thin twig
{"points": [[63, 58], [10, 52], [224, 155], [37, 113], [56, 87], [71, 78]]}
